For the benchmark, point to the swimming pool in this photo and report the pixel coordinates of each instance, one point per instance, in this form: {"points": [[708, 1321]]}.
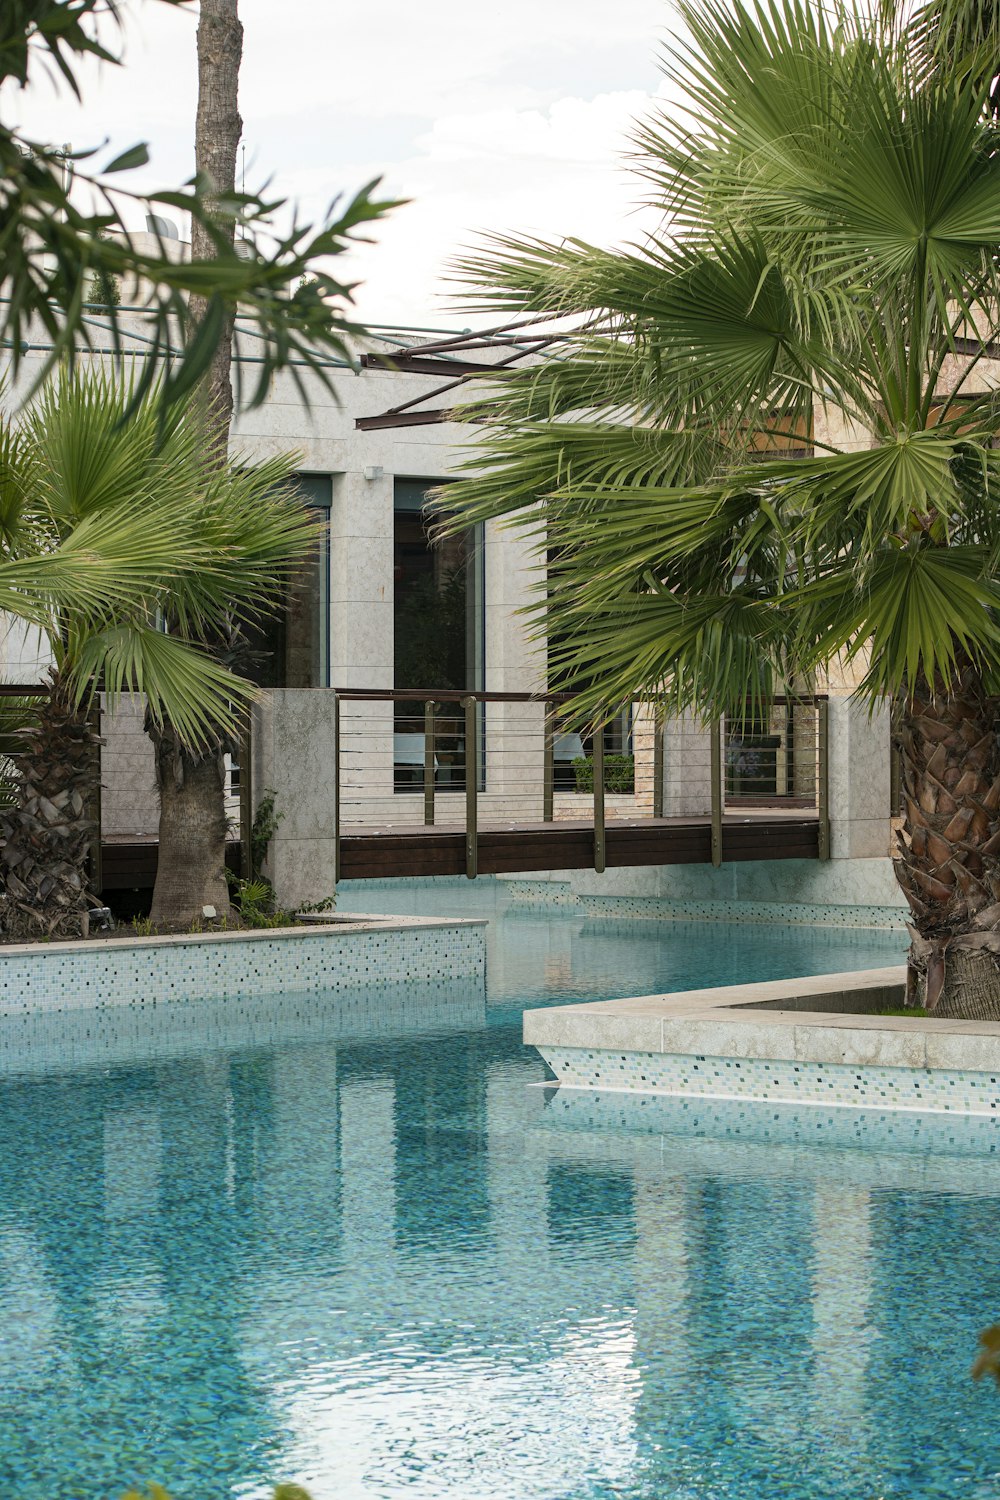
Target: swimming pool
{"points": [[369, 1257]]}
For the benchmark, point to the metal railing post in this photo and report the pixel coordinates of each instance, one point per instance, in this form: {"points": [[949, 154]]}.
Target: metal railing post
{"points": [[429, 763], [471, 790], [716, 774], [336, 787], [823, 776], [599, 840], [657, 764], [549, 765]]}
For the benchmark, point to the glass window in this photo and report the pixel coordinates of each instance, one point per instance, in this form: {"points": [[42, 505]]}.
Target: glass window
{"points": [[292, 647], [438, 634]]}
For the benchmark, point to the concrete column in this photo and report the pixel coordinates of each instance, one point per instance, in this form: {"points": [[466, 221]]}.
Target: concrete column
{"points": [[362, 637], [294, 753], [512, 571], [643, 749], [361, 594], [859, 781], [687, 768], [298, 1191]]}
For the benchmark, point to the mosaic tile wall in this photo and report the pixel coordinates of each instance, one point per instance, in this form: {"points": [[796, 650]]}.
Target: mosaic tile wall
{"points": [[541, 894], [73, 977], [867, 1085]]}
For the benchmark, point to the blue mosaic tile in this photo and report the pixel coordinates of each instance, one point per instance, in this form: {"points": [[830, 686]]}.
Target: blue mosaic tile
{"points": [[694, 1076], [136, 974]]}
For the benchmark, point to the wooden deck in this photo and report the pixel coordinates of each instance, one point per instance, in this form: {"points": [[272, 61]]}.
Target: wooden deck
{"points": [[130, 864], [414, 850], [390, 851]]}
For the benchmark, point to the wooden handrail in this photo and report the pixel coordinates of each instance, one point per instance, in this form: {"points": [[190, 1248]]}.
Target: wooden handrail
{"points": [[459, 695]]}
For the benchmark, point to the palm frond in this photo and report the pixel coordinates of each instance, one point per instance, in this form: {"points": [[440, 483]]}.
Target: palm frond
{"points": [[178, 679], [832, 208]]}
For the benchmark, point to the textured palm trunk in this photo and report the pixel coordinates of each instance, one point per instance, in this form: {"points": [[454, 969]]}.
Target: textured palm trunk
{"points": [[949, 857], [218, 128], [45, 838], [191, 873]]}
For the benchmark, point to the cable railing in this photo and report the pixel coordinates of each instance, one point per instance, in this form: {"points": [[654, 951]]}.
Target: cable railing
{"points": [[453, 760]]}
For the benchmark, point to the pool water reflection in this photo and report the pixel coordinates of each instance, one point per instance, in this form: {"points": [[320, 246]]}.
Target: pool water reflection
{"points": [[351, 1246]]}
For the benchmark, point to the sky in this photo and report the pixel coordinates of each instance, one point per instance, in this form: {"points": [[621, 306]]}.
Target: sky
{"points": [[488, 115]]}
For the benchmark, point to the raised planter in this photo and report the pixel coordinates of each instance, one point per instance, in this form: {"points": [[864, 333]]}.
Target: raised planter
{"points": [[311, 958], [800, 1041]]}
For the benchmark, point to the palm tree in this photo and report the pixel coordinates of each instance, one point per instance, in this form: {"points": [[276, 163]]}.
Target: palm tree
{"points": [[88, 465], [250, 517], [825, 276], [192, 780]]}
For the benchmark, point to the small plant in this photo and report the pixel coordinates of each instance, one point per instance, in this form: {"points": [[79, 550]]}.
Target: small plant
{"points": [[142, 926], [262, 831], [254, 900], [619, 774], [326, 904]]}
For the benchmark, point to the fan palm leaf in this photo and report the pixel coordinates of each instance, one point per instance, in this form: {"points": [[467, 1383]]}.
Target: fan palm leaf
{"points": [[116, 520]]}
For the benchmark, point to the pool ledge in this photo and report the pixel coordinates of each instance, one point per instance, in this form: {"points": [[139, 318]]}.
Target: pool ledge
{"points": [[311, 958], [791, 1041]]}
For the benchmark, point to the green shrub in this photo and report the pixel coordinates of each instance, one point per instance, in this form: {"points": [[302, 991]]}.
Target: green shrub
{"points": [[619, 774]]}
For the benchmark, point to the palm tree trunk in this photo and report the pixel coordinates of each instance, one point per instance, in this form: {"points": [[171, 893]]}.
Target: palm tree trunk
{"points": [[218, 128], [949, 855], [45, 837], [191, 872]]}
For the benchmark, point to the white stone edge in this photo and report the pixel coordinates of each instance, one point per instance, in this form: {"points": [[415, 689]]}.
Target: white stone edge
{"points": [[342, 927], [725, 1022]]}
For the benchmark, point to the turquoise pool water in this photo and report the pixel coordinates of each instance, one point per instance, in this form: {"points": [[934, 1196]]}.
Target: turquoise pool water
{"points": [[366, 1255]]}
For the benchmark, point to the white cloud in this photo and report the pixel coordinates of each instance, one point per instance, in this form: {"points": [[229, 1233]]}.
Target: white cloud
{"points": [[488, 117], [549, 173]]}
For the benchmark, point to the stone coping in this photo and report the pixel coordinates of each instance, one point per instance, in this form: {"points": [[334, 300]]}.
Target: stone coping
{"points": [[747, 1021], [308, 926]]}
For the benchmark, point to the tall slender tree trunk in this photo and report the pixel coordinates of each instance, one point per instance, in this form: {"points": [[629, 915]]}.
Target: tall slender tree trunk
{"points": [[949, 857], [218, 128], [190, 872], [45, 838]]}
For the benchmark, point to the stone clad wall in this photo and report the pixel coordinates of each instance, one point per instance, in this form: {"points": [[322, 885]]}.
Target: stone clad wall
{"points": [[294, 755]]}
